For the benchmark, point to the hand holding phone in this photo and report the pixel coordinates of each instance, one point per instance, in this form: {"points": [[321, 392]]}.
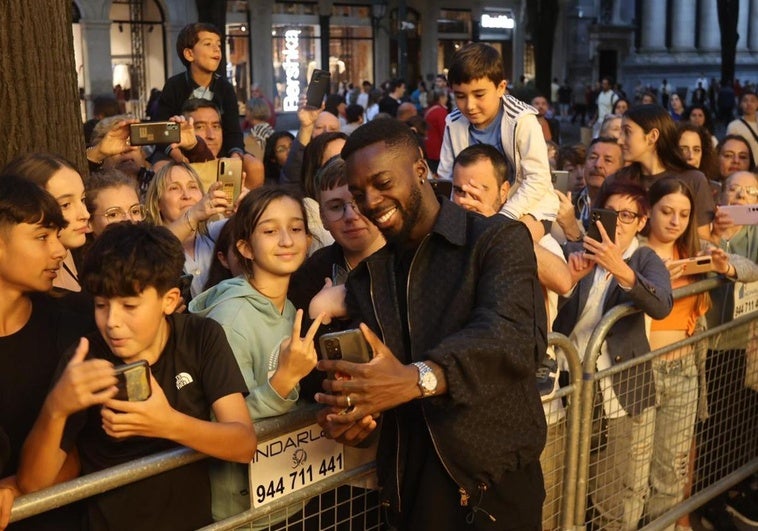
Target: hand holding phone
{"points": [[133, 381], [693, 265], [146, 133], [608, 219], [318, 87]]}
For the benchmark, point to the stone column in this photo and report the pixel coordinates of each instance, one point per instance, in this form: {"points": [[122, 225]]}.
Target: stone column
{"points": [[96, 52], [742, 25], [682, 23], [175, 65], [260, 24], [710, 38], [654, 26], [753, 44]]}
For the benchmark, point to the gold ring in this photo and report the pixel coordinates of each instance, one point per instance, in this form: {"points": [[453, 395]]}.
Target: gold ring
{"points": [[349, 403]]}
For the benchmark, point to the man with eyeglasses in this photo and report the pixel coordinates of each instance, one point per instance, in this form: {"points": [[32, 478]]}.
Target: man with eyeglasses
{"points": [[355, 238]]}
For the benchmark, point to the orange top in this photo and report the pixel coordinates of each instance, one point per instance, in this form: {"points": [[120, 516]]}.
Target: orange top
{"points": [[685, 312]]}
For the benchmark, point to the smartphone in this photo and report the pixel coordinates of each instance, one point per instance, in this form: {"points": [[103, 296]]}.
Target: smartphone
{"points": [[230, 176], [317, 88], [442, 187], [348, 345], [694, 265], [560, 180], [607, 218], [742, 214], [133, 381], [146, 133]]}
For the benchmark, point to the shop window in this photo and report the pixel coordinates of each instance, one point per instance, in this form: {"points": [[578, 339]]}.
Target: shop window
{"points": [[454, 21], [351, 56]]}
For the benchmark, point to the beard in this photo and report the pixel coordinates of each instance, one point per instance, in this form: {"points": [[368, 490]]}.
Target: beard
{"points": [[410, 214]]}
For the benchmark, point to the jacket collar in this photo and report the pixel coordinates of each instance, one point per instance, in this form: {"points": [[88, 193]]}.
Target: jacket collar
{"points": [[451, 222]]}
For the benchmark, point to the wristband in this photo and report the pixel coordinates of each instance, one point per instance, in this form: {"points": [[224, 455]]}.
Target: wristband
{"points": [[88, 151]]}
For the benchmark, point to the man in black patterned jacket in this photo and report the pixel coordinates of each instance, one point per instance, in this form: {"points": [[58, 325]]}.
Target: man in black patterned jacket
{"points": [[455, 299]]}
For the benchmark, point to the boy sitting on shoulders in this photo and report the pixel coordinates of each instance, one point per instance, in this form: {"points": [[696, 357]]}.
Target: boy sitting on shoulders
{"points": [[133, 270]]}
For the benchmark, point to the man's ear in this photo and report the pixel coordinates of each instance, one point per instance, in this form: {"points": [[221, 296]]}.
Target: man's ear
{"points": [[171, 300], [505, 188], [188, 54]]}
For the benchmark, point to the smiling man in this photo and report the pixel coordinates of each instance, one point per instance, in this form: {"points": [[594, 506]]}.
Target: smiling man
{"points": [[453, 312]]}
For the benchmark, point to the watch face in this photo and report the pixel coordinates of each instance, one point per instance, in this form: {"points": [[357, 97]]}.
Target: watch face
{"points": [[429, 381]]}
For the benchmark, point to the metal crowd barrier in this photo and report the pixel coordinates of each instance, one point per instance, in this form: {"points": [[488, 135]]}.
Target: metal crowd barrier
{"points": [[347, 499], [725, 439]]}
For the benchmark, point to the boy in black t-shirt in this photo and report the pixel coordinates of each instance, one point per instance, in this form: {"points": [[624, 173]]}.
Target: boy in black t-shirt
{"points": [[133, 272], [34, 331]]}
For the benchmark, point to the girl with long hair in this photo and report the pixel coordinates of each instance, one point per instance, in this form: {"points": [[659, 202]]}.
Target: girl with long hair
{"points": [[650, 142], [271, 238], [58, 176], [673, 236]]}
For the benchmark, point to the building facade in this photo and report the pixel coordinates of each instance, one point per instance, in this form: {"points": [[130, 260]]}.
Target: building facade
{"points": [[640, 43], [276, 44]]}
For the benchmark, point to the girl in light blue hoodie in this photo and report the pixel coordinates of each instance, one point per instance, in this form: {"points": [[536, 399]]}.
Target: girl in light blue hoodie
{"points": [[262, 326]]}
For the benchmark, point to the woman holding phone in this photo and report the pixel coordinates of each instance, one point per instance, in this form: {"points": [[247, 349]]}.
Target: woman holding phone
{"points": [[672, 235], [619, 270]]}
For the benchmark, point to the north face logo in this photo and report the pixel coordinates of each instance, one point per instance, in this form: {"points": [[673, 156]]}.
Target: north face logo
{"points": [[183, 379]]}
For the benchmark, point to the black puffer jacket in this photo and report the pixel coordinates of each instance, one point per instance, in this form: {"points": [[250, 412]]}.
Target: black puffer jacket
{"points": [[475, 307]]}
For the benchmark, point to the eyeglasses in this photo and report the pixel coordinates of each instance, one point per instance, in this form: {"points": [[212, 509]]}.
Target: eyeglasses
{"points": [[336, 211], [742, 190], [115, 214], [627, 216], [282, 149]]}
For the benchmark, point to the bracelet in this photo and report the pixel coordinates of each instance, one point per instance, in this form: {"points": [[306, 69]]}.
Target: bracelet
{"points": [[189, 223], [87, 151]]}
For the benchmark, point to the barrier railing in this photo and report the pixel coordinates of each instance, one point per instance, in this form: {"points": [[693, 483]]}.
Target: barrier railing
{"points": [[702, 345], [346, 496]]}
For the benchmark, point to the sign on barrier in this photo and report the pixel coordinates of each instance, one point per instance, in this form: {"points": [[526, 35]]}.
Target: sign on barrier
{"points": [[745, 298], [292, 462]]}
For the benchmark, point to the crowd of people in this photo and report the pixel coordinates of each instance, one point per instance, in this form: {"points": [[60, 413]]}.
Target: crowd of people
{"points": [[343, 226]]}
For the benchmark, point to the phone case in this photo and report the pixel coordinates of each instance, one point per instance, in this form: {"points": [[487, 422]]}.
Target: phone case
{"points": [[560, 180], [146, 133], [607, 218], [742, 214], [133, 381], [317, 88], [348, 345], [230, 175], [694, 265]]}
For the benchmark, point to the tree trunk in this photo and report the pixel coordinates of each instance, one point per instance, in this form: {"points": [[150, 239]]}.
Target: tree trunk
{"points": [[728, 12], [39, 98]]}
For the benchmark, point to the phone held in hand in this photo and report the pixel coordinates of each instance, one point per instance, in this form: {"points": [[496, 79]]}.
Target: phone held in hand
{"points": [[608, 219], [694, 265], [317, 88], [348, 345], [133, 381], [560, 180], [741, 214], [230, 177], [146, 133]]}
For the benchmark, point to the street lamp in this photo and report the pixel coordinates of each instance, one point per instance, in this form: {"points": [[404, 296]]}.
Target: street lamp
{"points": [[378, 10]]}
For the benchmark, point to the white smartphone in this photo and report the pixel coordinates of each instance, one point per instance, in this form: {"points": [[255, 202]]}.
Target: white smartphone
{"points": [[742, 214]]}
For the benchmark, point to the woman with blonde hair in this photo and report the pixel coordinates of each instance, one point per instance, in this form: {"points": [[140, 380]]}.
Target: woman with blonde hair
{"points": [[176, 199]]}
